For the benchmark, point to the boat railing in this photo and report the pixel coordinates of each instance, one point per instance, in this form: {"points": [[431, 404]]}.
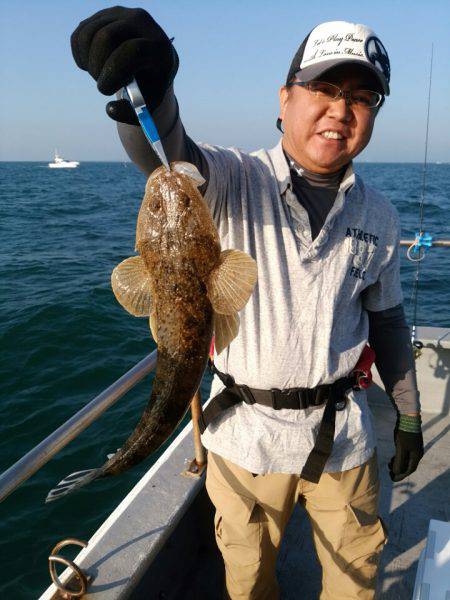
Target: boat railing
{"points": [[51, 445], [437, 243]]}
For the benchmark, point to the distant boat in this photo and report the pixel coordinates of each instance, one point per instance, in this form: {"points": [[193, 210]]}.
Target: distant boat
{"points": [[61, 163]]}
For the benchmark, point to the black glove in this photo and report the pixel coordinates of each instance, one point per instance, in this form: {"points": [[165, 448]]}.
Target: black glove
{"points": [[408, 447], [117, 44]]}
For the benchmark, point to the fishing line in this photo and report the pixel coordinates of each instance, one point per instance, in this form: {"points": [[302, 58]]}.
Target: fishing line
{"points": [[426, 145], [417, 247]]}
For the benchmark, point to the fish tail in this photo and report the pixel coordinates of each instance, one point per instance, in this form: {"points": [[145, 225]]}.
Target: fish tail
{"points": [[71, 483]]}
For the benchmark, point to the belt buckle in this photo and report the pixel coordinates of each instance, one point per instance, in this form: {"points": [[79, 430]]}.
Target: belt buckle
{"points": [[274, 392], [246, 394], [321, 395]]}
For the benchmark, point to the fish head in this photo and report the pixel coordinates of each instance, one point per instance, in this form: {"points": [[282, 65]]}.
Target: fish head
{"points": [[175, 217], [171, 198]]}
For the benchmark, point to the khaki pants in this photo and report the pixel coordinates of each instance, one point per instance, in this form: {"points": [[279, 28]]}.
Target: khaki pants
{"points": [[252, 513]]}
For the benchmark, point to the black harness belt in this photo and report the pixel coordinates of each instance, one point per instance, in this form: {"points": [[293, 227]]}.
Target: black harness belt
{"points": [[332, 395]]}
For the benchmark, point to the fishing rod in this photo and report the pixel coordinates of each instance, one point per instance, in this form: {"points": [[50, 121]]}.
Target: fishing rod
{"points": [[416, 251]]}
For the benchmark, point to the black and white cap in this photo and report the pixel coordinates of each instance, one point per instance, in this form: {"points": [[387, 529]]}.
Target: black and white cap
{"points": [[336, 42]]}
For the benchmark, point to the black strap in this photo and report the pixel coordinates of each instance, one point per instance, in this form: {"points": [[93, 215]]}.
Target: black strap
{"points": [[315, 463], [337, 400], [296, 398], [226, 399]]}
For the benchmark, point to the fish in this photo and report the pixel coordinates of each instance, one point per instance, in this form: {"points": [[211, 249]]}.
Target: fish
{"points": [[190, 290]]}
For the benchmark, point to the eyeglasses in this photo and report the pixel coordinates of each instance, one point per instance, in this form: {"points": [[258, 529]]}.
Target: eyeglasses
{"points": [[329, 91]]}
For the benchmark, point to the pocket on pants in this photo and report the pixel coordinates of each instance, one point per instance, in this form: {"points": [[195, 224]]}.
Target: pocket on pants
{"points": [[237, 528], [364, 533]]}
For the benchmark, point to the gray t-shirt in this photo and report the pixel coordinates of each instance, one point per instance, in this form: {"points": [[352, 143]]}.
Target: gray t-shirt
{"points": [[305, 323]]}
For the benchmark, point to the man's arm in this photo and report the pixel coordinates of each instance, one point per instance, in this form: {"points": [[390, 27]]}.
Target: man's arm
{"points": [[389, 336], [116, 44], [177, 144]]}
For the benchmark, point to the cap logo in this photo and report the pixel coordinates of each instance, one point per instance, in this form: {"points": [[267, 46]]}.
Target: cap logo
{"points": [[338, 38], [330, 45], [377, 55]]}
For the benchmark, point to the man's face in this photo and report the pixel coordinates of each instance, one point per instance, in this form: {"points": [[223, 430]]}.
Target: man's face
{"points": [[305, 118]]}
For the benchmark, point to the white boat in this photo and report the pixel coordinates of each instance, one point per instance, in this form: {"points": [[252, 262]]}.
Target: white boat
{"points": [[159, 541], [61, 163]]}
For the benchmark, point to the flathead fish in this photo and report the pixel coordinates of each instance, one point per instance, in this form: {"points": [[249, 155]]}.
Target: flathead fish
{"points": [[189, 289]]}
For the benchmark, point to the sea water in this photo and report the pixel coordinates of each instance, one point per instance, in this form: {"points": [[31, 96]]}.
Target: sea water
{"points": [[64, 338]]}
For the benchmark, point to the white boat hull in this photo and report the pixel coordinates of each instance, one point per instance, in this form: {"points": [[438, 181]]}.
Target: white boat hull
{"points": [[67, 165]]}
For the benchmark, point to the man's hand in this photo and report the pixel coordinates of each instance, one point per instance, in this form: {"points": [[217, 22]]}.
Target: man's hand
{"points": [[117, 44], [408, 445]]}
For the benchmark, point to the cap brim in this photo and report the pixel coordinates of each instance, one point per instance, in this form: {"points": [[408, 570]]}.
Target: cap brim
{"points": [[309, 73]]}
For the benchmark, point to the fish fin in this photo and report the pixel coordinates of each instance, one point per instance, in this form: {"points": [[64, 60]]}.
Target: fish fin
{"points": [[153, 326], [231, 283], [190, 170], [72, 482], [109, 456], [131, 285], [226, 328]]}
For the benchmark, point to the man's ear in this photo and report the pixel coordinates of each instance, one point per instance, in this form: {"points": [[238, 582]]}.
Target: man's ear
{"points": [[284, 95]]}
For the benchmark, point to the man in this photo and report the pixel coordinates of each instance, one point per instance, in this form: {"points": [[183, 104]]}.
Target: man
{"points": [[291, 426]]}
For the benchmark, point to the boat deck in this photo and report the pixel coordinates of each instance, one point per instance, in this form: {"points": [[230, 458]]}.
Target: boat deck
{"points": [[406, 507], [158, 544], [188, 565]]}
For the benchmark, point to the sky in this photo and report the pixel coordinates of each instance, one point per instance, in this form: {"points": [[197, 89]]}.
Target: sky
{"points": [[234, 56]]}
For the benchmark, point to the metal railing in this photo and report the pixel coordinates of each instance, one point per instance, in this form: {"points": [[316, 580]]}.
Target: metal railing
{"points": [[437, 243], [43, 452]]}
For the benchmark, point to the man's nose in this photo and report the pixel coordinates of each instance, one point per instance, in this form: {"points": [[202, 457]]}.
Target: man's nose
{"points": [[341, 109]]}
